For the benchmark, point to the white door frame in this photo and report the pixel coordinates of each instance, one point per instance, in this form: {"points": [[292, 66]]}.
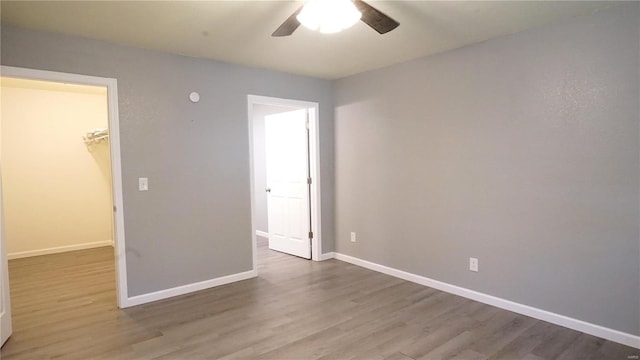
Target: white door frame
{"points": [[5, 309], [114, 145], [314, 166]]}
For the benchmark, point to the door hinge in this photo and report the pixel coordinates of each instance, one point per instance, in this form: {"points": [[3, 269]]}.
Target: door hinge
{"points": [[309, 181], [114, 208], [310, 234]]}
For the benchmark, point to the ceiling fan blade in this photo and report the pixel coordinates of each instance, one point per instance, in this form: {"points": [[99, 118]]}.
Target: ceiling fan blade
{"points": [[288, 26], [375, 18]]}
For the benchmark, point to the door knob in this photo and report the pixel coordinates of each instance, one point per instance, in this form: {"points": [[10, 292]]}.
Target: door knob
{"points": [[267, 189]]}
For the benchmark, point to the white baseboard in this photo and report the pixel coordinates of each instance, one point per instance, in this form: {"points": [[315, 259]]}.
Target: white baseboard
{"points": [[59, 249], [185, 289], [327, 256], [262, 234], [571, 323]]}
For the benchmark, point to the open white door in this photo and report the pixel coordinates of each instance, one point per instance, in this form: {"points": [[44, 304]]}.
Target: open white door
{"points": [[287, 155], [5, 304]]}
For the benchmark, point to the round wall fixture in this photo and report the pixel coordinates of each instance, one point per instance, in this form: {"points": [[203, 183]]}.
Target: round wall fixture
{"points": [[194, 97]]}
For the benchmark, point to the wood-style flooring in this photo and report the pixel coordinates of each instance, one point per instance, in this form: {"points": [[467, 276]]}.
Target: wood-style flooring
{"points": [[64, 308]]}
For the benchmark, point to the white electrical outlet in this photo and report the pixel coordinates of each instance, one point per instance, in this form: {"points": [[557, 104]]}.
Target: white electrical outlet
{"points": [[353, 236], [473, 264]]}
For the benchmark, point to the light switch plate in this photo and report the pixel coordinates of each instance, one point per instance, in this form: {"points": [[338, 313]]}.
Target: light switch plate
{"points": [[473, 264], [143, 184]]}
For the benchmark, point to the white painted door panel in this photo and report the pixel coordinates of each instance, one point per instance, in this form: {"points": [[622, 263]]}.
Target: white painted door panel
{"points": [[5, 304], [286, 143]]}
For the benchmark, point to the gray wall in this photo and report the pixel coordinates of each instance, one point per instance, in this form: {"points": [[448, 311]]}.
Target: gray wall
{"points": [[194, 223], [521, 151], [260, 164]]}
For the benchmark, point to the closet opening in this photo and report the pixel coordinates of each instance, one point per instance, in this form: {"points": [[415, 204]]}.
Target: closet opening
{"points": [[62, 234]]}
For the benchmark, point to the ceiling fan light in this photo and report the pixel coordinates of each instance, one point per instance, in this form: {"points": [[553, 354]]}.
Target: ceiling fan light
{"points": [[329, 16]]}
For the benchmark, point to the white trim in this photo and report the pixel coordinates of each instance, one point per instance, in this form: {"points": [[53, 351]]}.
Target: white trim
{"points": [[252, 196], [6, 327], [327, 256], [314, 166], [571, 323], [263, 234], [58, 249], [314, 155], [114, 145], [186, 289]]}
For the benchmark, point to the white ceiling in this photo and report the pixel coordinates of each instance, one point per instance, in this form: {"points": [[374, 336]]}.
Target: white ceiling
{"points": [[239, 31]]}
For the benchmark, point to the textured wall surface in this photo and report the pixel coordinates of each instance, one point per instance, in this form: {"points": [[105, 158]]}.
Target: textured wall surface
{"points": [[521, 151], [194, 223]]}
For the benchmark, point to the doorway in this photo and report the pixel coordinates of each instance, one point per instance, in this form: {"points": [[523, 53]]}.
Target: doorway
{"points": [[285, 175], [56, 167], [101, 147]]}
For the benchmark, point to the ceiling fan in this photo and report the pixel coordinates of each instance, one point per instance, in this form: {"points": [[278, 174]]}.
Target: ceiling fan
{"points": [[371, 16]]}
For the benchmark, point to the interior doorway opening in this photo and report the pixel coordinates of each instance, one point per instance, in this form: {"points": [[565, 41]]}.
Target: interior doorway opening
{"points": [[56, 167], [61, 178], [285, 176]]}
